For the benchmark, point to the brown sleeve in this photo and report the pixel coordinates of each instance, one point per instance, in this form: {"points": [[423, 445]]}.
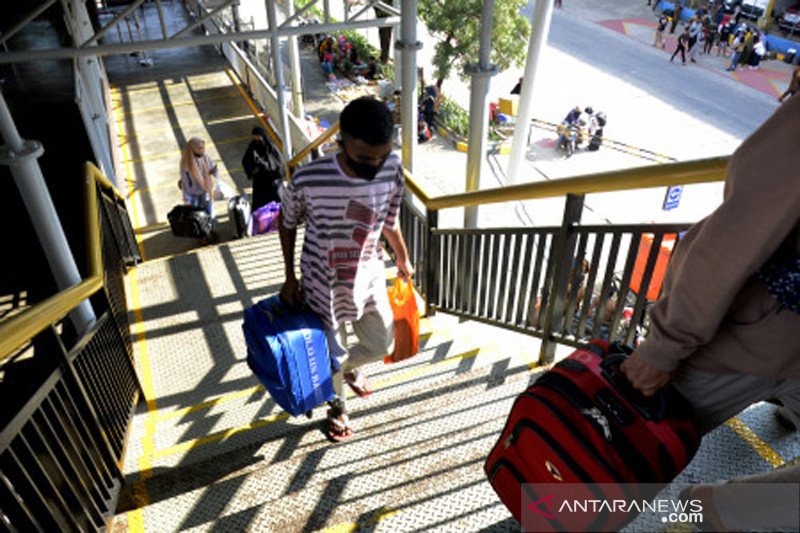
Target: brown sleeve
{"points": [[760, 209]]}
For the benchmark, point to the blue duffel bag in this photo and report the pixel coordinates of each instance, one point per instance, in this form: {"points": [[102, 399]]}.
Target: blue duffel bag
{"points": [[288, 352]]}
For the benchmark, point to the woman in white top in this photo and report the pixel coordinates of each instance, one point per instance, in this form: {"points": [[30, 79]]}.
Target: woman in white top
{"points": [[197, 175]]}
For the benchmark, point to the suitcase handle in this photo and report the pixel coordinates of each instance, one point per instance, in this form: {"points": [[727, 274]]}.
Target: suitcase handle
{"points": [[653, 409]]}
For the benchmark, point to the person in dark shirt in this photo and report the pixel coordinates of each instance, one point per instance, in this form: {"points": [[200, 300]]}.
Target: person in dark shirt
{"points": [[683, 43], [262, 164]]}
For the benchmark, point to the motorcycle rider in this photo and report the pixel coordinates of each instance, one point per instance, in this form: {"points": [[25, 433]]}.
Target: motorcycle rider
{"points": [[571, 120]]}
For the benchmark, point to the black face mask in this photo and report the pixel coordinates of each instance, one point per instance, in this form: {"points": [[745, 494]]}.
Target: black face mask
{"points": [[363, 170]]}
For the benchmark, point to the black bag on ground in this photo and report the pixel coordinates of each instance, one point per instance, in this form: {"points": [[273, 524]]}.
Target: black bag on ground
{"points": [[190, 221], [595, 141], [239, 215]]}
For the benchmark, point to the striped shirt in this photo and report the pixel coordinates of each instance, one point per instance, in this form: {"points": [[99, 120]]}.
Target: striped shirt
{"points": [[342, 260]]}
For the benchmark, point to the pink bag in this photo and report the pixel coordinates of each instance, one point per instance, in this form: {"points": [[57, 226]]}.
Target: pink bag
{"points": [[265, 218]]}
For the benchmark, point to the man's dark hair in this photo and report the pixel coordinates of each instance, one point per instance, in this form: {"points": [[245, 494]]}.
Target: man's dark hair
{"points": [[367, 119]]}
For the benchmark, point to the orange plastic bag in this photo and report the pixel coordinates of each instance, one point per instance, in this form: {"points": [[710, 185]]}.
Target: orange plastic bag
{"points": [[406, 321]]}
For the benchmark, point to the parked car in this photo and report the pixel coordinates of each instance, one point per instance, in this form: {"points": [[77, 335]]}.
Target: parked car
{"points": [[754, 9], [789, 20]]}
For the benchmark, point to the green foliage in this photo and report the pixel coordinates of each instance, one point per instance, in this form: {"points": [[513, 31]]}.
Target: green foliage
{"points": [[365, 50], [359, 42], [453, 117], [457, 25]]}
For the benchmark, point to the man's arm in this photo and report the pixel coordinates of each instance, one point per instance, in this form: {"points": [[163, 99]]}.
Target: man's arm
{"points": [[395, 239], [725, 251], [290, 291]]}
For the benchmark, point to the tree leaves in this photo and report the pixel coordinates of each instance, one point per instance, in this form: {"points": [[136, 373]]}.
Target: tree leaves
{"points": [[457, 26]]}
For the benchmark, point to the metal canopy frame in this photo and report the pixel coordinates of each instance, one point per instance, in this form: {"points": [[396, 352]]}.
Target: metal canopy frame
{"points": [[288, 28]]}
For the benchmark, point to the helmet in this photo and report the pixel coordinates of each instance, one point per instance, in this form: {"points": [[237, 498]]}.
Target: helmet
{"points": [[589, 110]]}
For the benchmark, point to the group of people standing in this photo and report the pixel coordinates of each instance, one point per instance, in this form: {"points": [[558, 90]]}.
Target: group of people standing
{"points": [[702, 34]]}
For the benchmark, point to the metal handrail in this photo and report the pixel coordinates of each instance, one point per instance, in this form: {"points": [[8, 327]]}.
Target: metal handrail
{"points": [[21, 328], [313, 145], [684, 173], [699, 171]]}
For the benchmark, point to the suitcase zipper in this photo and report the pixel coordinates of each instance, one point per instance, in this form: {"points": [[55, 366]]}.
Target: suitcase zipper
{"points": [[573, 394], [512, 437]]}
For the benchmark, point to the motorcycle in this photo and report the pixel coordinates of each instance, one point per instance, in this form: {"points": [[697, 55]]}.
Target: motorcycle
{"points": [[569, 138]]}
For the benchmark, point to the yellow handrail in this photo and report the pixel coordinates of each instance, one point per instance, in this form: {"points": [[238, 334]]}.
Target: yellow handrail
{"points": [[20, 329], [319, 141], [700, 171]]}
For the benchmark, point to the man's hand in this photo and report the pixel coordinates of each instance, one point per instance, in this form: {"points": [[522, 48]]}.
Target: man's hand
{"points": [[291, 294], [404, 269], [645, 378]]}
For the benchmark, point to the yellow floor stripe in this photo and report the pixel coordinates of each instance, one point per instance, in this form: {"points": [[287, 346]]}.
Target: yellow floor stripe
{"points": [[169, 415], [142, 132], [129, 178], [152, 227], [172, 184], [754, 441], [135, 518], [216, 437], [347, 527], [377, 385], [173, 153], [178, 104], [141, 89]]}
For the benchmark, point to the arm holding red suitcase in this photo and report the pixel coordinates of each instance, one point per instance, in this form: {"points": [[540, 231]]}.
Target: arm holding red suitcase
{"points": [[720, 256]]}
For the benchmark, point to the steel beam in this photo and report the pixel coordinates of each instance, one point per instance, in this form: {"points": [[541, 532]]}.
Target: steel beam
{"points": [[127, 11], [23, 56], [277, 66], [202, 19], [24, 22]]}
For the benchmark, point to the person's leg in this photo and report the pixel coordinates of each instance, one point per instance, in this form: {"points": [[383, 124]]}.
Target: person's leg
{"points": [[338, 353], [375, 334], [717, 397], [733, 506]]}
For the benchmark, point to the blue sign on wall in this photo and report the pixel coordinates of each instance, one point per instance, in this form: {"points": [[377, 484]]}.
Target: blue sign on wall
{"points": [[673, 197]]}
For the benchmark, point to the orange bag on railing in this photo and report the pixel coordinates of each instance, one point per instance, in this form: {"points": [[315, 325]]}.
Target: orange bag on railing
{"points": [[406, 321]]}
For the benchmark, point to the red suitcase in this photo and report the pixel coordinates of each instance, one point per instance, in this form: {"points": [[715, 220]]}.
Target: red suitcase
{"points": [[582, 424]]}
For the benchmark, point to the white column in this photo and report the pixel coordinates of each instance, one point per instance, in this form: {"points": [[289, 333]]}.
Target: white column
{"points": [[540, 28], [408, 114], [481, 74], [277, 63], [20, 156], [294, 62]]}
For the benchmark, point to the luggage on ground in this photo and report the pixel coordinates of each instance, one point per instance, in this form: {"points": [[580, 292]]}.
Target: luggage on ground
{"points": [[288, 352], [239, 216], [190, 221], [265, 218], [582, 424]]}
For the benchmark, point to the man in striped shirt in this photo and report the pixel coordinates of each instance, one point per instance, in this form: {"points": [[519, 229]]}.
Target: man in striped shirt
{"points": [[348, 200]]}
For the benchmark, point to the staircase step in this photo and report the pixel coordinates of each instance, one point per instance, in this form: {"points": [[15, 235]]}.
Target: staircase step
{"points": [[423, 447]]}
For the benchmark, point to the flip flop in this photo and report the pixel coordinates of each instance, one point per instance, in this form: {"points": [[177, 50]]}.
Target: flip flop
{"points": [[358, 383], [338, 429]]}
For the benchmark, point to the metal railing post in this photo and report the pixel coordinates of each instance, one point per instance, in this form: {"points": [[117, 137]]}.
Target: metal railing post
{"points": [[429, 252], [562, 254]]}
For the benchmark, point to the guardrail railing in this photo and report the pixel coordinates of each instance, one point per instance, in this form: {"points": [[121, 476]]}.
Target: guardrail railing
{"points": [[71, 399]]}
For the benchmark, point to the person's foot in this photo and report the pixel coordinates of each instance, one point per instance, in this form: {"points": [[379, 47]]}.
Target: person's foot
{"points": [[337, 424], [358, 382], [693, 61]]}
